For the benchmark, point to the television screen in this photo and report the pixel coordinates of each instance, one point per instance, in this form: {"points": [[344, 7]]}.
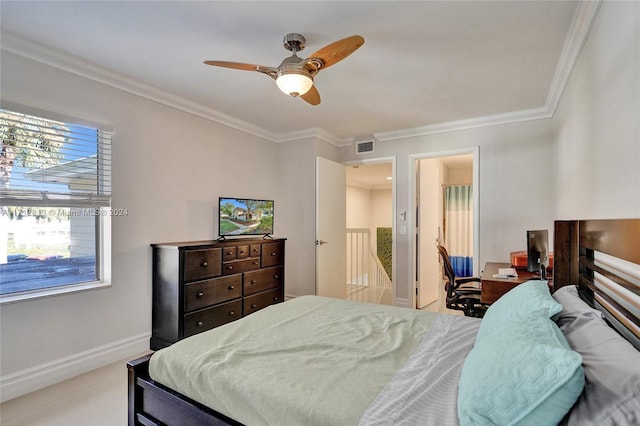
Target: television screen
{"points": [[245, 217], [538, 251]]}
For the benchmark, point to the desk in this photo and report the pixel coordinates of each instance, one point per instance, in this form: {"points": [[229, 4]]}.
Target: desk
{"points": [[493, 288]]}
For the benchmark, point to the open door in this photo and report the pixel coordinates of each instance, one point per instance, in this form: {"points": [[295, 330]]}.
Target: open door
{"points": [[331, 237], [429, 202], [431, 173]]}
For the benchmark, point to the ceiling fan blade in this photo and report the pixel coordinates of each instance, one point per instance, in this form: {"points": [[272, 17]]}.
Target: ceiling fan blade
{"points": [[312, 96], [337, 50], [235, 65]]}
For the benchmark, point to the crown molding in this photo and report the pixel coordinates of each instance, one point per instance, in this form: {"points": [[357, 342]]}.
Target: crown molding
{"points": [[74, 65], [580, 27], [314, 133], [578, 33], [471, 123], [583, 18]]}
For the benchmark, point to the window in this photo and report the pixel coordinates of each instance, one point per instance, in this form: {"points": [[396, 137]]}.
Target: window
{"points": [[55, 199]]}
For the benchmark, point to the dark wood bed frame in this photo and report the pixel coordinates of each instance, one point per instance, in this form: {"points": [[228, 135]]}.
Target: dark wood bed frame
{"points": [[575, 242]]}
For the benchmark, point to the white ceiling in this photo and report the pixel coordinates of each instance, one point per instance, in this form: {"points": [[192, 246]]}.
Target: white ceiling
{"points": [[379, 175], [423, 63], [370, 176]]}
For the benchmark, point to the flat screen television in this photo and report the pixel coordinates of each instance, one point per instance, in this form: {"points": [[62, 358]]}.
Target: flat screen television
{"points": [[241, 216], [538, 251]]}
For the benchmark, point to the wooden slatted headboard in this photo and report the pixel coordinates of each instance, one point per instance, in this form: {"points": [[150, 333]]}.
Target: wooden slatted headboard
{"points": [[603, 258]]}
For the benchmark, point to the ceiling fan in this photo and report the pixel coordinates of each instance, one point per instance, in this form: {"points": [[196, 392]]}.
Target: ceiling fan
{"points": [[294, 76]]}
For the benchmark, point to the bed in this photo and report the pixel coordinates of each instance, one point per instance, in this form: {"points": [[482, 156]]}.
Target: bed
{"points": [[571, 358]]}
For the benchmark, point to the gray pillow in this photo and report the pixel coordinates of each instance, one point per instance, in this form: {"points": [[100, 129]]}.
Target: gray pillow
{"points": [[612, 376], [625, 413]]}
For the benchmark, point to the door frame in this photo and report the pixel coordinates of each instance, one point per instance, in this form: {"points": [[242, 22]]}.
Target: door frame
{"points": [[392, 160], [475, 152]]}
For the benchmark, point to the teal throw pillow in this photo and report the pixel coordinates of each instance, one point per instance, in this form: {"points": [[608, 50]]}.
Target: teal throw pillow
{"points": [[523, 373], [530, 297]]}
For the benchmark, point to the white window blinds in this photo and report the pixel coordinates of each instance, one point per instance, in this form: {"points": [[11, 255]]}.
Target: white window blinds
{"points": [[49, 163]]}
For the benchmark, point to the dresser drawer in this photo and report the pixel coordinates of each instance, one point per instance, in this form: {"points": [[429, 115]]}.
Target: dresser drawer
{"points": [[238, 266], [272, 254], [207, 319], [254, 250], [242, 252], [199, 264], [228, 253], [264, 279], [201, 294], [262, 300], [237, 252]]}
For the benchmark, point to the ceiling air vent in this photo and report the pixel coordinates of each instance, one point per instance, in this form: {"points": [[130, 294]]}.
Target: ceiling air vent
{"points": [[364, 147]]}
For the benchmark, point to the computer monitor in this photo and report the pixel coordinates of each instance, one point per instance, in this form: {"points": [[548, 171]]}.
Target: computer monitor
{"points": [[538, 251]]}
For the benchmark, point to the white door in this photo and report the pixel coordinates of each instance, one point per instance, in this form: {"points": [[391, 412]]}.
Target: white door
{"points": [[430, 218], [331, 229]]}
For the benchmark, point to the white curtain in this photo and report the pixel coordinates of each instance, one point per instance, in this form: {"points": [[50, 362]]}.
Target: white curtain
{"points": [[458, 200]]}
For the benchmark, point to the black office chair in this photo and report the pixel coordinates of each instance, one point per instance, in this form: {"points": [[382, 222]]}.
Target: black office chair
{"points": [[461, 294]]}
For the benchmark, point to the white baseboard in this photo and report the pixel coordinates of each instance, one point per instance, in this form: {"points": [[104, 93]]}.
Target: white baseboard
{"points": [[31, 379]]}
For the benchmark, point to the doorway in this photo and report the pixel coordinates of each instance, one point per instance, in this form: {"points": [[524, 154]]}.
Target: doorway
{"points": [[370, 196], [432, 176]]}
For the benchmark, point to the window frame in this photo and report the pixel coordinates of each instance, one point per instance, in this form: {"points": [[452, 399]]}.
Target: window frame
{"points": [[102, 225]]}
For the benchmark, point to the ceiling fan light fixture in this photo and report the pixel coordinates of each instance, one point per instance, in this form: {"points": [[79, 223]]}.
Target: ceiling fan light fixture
{"points": [[294, 82], [294, 76]]}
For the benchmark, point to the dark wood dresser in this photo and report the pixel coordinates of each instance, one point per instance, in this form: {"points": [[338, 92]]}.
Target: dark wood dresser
{"points": [[204, 284]]}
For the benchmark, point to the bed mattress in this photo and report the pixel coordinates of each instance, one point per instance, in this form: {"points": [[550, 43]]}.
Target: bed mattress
{"points": [[318, 361]]}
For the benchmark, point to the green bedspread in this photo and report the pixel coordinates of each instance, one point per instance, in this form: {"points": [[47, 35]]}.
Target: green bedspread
{"points": [[308, 361]]}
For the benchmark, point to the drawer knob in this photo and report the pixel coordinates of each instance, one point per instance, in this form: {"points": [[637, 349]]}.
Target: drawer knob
{"points": [[276, 276], [253, 282], [253, 306], [255, 263], [231, 313], [231, 287], [273, 253], [275, 299], [241, 251], [199, 323], [204, 264], [230, 267], [200, 294], [229, 253]]}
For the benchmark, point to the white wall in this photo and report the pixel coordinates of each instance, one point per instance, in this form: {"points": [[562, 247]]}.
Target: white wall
{"points": [[296, 213], [516, 185], [381, 208], [458, 175], [169, 168], [532, 173], [369, 208], [358, 207], [597, 123]]}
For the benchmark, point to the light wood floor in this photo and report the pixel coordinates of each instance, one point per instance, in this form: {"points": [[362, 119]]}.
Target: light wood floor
{"points": [[97, 398]]}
